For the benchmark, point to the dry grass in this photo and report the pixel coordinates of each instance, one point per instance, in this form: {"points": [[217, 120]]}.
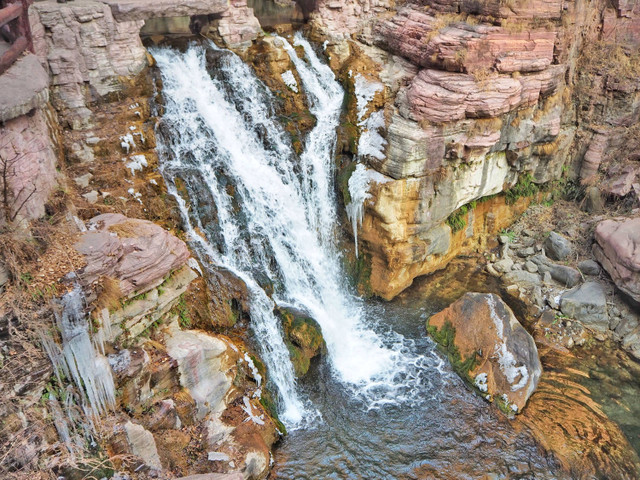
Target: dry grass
{"points": [[18, 249], [605, 58], [440, 22], [109, 294], [481, 75], [547, 149], [126, 229], [482, 126]]}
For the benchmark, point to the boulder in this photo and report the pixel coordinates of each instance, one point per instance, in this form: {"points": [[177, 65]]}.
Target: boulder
{"points": [[142, 444], [587, 304], [631, 343], [489, 348], [303, 338], [521, 278], [589, 267], [557, 247], [138, 253], [567, 276], [617, 248]]}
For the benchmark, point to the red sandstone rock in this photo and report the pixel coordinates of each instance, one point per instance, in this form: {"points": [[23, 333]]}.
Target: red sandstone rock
{"points": [[444, 96], [622, 181], [139, 253], [618, 251], [550, 9], [459, 46], [593, 157]]}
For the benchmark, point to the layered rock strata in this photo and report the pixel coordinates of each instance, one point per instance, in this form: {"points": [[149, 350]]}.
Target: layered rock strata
{"points": [[89, 47]]}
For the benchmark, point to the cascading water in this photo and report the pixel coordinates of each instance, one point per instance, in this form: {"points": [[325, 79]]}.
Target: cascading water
{"points": [[220, 135]]}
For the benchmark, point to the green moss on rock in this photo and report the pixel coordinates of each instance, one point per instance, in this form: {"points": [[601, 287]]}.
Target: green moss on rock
{"points": [[445, 338], [303, 337]]}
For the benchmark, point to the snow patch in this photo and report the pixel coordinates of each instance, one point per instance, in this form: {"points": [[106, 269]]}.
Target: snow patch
{"points": [[371, 143], [481, 382], [506, 360], [193, 263], [359, 184], [254, 371], [135, 195], [137, 163], [127, 143], [258, 420], [289, 80], [365, 91]]}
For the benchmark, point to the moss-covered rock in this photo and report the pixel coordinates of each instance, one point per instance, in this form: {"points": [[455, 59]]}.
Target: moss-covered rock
{"points": [[303, 337]]}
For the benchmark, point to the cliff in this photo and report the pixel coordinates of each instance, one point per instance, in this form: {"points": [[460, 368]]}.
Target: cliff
{"points": [[477, 100]]}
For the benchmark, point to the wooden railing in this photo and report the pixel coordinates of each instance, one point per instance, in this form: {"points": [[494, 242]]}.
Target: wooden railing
{"points": [[14, 29]]}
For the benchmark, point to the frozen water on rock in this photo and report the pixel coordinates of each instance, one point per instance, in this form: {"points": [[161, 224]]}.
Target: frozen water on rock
{"points": [[290, 81], [77, 358]]}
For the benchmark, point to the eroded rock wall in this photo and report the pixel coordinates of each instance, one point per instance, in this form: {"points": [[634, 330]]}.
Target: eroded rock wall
{"points": [[90, 48], [27, 164]]}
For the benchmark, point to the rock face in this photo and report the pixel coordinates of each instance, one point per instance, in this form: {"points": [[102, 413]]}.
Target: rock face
{"points": [[86, 47], [617, 248], [27, 152], [587, 304], [137, 253], [489, 348], [480, 98], [203, 363], [23, 88]]}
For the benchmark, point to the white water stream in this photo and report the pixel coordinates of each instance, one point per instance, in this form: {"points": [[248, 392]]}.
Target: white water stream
{"points": [[273, 214]]}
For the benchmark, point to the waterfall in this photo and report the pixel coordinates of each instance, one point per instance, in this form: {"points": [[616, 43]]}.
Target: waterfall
{"points": [[258, 210]]}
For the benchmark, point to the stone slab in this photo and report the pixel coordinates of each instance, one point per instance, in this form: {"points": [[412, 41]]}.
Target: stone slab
{"points": [[22, 88], [127, 10]]}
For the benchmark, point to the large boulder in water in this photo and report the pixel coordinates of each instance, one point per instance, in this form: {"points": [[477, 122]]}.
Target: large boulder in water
{"points": [[617, 248], [489, 349]]}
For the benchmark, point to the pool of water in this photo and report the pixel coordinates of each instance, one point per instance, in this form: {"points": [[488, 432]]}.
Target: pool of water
{"points": [[441, 429]]}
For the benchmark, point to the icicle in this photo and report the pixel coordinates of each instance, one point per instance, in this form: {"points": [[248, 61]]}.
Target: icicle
{"points": [[77, 357]]}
